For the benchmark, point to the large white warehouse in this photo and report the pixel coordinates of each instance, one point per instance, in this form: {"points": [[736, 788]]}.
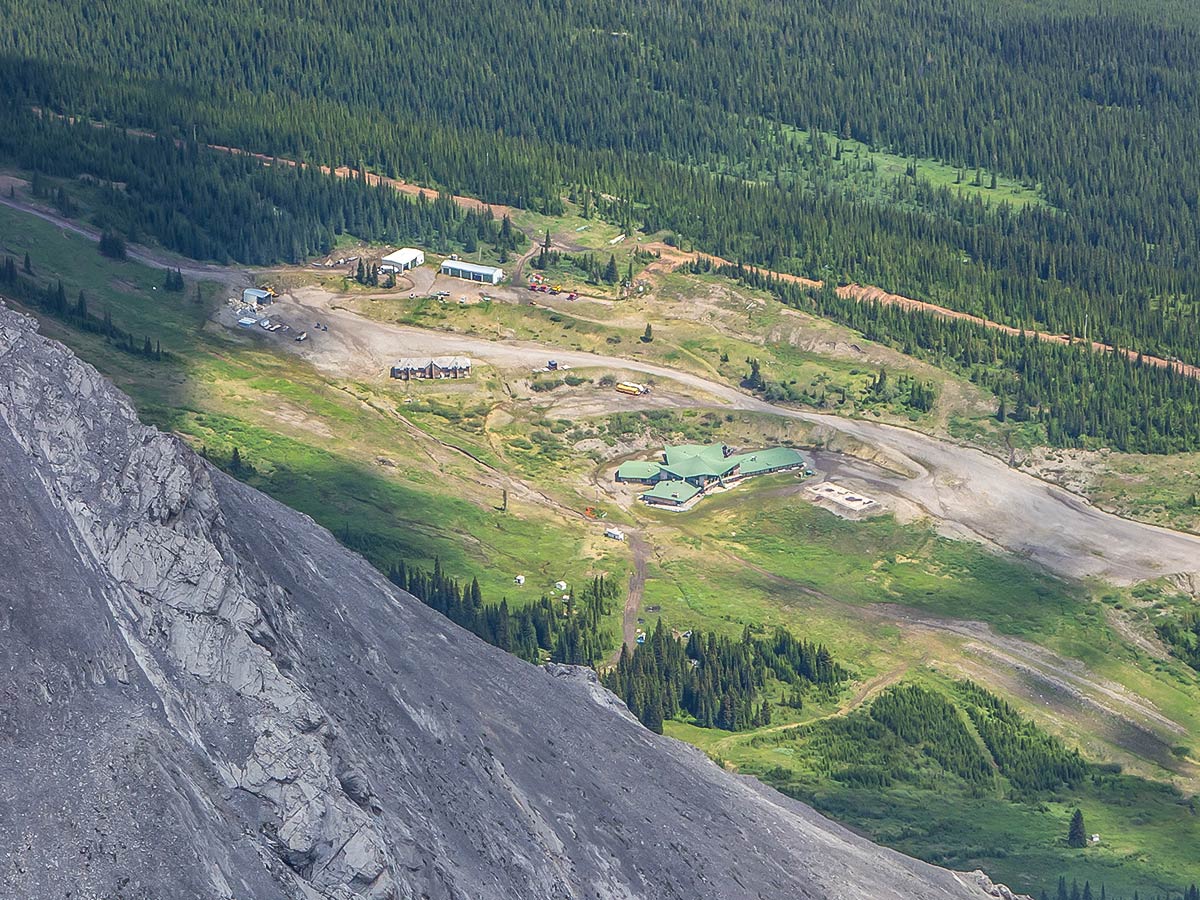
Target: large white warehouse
{"points": [[472, 271], [402, 260]]}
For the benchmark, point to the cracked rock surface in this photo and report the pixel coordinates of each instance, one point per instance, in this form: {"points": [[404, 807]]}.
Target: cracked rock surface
{"points": [[206, 696]]}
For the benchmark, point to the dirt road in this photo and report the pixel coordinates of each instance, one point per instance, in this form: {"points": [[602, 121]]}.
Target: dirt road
{"points": [[671, 257], [637, 586], [975, 494], [144, 255]]}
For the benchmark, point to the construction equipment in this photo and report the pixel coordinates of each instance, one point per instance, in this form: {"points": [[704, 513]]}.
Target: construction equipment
{"points": [[632, 388]]}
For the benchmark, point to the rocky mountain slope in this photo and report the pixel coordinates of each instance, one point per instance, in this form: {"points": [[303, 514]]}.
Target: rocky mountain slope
{"points": [[205, 696]]}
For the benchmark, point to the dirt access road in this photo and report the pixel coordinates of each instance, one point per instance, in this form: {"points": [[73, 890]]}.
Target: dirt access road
{"points": [[669, 256], [156, 260], [976, 495], [633, 597]]}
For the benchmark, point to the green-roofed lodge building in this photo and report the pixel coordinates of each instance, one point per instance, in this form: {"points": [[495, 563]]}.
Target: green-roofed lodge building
{"points": [[688, 470]]}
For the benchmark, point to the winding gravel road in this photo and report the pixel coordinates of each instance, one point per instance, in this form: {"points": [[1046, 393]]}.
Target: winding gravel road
{"points": [[978, 494]]}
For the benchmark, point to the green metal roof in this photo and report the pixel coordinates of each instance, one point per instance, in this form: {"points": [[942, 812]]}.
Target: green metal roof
{"points": [[692, 460], [638, 469], [766, 460], [675, 491], [711, 453]]}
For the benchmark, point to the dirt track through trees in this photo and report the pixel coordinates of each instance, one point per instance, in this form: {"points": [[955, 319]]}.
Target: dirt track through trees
{"points": [[673, 256], [637, 587]]}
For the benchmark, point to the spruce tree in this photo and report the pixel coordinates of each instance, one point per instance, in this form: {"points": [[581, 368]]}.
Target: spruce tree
{"points": [[1077, 835], [647, 335]]}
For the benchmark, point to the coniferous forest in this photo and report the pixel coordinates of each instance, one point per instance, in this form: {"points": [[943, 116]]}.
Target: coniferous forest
{"points": [[720, 124], [1080, 396], [690, 119]]}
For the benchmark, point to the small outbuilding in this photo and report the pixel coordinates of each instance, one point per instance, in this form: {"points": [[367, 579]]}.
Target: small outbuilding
{"points": [[255, 296], [639, 471], [456, 268], [402, 260], [670, 493]]}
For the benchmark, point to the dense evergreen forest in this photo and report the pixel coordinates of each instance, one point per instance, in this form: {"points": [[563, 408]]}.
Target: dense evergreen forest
{"points": [[567, 631], [720, 123], [212, 205], [1081, 397], [716, 680], [654, 102]]}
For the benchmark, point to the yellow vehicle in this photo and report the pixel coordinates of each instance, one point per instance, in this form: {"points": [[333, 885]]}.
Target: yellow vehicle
{"points": [[631, 387]]}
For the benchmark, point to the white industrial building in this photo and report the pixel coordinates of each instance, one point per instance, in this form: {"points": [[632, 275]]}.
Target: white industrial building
{"points": [[472, 271], [255, 296], [402, 260]]}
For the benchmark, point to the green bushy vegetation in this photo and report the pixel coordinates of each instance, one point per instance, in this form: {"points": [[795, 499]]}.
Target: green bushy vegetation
{"points": [[949, 772], [1183, 637], [1028, 757], [926, 719]]}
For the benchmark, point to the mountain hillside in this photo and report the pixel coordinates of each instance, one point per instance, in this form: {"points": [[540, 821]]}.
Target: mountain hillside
{"points": [[207, 696]]}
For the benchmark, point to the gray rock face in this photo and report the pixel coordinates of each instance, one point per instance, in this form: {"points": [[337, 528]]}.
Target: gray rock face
{"points": [[207, 697]]}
